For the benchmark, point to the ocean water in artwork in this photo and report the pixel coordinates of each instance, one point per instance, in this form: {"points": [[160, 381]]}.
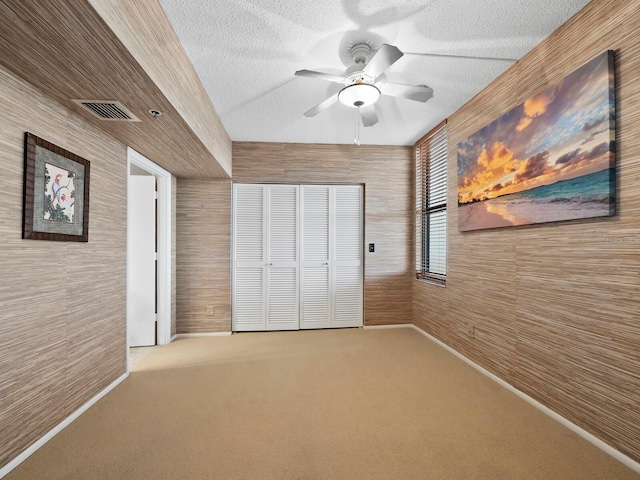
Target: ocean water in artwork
{"points": [[552, 158], [59, 194], [587, 196]]}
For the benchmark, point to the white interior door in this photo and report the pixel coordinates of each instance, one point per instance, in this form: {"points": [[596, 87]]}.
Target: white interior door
{"points": [[141, 298], [282, 265], [249, 272], [315, 295], [347, 257]]}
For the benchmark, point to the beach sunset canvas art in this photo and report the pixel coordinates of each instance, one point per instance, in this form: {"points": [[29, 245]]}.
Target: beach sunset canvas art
{"points": [[550, 159]]}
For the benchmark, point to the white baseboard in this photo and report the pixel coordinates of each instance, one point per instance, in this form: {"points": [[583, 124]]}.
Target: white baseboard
{"points": [[173, 338], [211, 334], [386, 327], [589, 437], [58, 428]]}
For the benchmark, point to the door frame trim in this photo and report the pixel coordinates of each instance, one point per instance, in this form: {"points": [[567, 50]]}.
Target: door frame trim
{"points": [[163, 229]]}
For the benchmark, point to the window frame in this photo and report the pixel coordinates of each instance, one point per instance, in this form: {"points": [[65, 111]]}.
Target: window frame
{"points": [[424, 211]]}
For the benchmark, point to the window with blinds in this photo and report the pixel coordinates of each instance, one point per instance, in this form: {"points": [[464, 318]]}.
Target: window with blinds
{"points": [[431, 205]]}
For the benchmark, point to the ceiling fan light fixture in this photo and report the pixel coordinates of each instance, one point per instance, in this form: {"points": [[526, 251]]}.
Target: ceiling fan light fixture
{"points": [[359, 95]]}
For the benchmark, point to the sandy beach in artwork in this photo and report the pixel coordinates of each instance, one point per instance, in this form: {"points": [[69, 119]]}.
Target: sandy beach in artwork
{"points": [[582, 197], [480, 215]]}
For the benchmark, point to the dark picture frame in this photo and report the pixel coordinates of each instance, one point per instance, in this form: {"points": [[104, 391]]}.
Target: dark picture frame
{"points": [[56, 193]]}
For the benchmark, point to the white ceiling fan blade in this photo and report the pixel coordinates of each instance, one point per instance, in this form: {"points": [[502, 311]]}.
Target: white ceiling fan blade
{"points": [[321, 106], [464, 57], [321, 75], [368, 115], [383, 59], [419, 93]]}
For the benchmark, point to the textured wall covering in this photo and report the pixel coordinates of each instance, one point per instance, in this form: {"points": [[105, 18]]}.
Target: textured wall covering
{"points": [[143, 28], [387, 173], [66, 49], [204, 225], [555, 307], [62, 305], [203, 222]]}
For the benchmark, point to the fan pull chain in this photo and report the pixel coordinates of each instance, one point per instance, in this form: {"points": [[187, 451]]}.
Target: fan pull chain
{"points": [[356, 140]]}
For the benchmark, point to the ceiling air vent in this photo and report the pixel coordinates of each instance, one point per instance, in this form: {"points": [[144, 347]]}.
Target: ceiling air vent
{"points": [[110, 110]]}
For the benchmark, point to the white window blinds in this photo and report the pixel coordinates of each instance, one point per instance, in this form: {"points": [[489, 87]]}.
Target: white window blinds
{"points": [[431, 205]]}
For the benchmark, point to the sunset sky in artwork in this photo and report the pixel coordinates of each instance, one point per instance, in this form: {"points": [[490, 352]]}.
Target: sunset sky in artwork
{"points": [[561, 133]]}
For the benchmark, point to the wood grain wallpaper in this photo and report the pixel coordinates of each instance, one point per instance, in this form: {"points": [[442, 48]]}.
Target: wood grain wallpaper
{"points": [[67, 50], [143, 27], [387, 174], [203, 275], [62, 321], [555, 307]]}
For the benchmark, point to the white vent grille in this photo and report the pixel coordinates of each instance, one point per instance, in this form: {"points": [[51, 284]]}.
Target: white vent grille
{"points": [[109, 110]]}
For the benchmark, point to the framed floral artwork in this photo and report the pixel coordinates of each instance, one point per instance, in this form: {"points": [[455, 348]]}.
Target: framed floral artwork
{"points": [[56, 193]]}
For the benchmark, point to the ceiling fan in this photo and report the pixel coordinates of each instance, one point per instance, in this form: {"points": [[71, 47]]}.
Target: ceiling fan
{"points": [[362, 87]]}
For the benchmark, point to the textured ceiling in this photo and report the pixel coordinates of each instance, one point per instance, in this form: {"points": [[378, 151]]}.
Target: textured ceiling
{"points": [[246, 53]]}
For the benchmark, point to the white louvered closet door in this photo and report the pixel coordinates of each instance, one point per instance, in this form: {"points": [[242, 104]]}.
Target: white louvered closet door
{"points": [[282, 254], [347, 256], [298, 257], [249, 266], [315, 295]]}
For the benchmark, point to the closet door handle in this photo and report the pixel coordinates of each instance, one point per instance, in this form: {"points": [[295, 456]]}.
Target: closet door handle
{"points": [[325, 263]]}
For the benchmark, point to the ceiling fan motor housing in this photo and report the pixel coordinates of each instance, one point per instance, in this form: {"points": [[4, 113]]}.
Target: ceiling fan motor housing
{"points": [[360, 53], [355, 75]]}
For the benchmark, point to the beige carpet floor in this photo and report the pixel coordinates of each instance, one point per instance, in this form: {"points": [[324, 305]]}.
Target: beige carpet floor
{"points": [[327, 404]]}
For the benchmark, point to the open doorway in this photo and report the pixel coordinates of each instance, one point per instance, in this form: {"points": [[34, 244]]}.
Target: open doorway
{"points": [[148, 256]]}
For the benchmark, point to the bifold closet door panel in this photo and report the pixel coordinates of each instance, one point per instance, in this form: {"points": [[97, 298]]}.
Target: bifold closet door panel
{"points": [[347, 257], [298, 257], [315, 295], [282, 264], [249, 275], [249, 311]]}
